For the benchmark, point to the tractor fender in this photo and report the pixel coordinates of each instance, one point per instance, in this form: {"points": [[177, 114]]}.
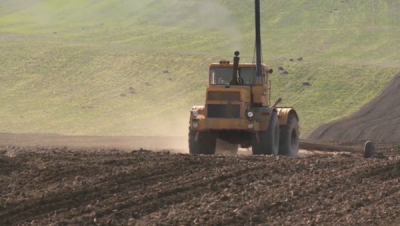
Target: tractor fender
{"points": [[283, 115], [199, 109], [262, 115]]}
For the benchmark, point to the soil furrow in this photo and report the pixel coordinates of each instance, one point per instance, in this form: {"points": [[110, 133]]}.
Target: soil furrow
{"points": [[109, 187]]}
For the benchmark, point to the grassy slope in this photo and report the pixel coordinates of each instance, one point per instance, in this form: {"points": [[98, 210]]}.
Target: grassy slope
{"points": [[65, 63]]}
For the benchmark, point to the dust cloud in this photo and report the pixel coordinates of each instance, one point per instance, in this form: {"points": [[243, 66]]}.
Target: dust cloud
{"points": [[40, 13], [44, 13], [207, 15], [166, 132]]}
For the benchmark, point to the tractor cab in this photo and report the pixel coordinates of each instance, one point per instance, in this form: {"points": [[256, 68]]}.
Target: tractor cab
{"points": [[221, 74], [226, 79]]}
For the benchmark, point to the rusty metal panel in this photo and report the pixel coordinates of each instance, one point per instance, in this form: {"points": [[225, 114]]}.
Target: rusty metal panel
{"points": [[226, 124], [223, 96], [223, 111]]}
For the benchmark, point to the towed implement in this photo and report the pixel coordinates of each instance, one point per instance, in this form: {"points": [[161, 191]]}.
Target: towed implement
{"points": [[238, 110]]}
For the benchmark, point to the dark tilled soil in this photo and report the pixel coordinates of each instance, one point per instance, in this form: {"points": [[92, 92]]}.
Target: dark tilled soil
{"points": [[44, 186], [378, 120]]}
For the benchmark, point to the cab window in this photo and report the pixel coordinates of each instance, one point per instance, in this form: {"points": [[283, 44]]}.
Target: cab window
{"points": [[223, 76]]}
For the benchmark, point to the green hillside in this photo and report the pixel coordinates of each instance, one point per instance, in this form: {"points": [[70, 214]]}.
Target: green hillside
{"points": [[64, 64]]}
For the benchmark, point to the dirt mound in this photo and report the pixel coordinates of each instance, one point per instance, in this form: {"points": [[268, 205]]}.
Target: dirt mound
{"points": [[64, 186], [377, 120]]}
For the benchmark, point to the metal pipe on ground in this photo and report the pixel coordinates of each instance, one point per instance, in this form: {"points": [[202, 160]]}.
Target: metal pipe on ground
{"points": [[368, 152]]}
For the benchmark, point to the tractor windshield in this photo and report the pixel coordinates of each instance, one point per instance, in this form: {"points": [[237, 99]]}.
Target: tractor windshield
{"points": [[223, 75]]}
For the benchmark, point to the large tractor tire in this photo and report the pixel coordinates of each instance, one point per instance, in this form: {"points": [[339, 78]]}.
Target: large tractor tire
{"points": [[205, 143], [223, 146], [369, 149], [267, 142], [289, 137]]}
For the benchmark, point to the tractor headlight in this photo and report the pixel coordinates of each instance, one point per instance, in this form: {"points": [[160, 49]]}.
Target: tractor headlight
{"points": [[250, 114], [195, 113], [251, 126]]}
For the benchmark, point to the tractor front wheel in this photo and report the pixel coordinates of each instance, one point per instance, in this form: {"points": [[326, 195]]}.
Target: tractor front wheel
{"points": [[204, 144], [267, 142]]}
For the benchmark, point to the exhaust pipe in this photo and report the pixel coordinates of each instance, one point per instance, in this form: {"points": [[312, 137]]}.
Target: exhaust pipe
{"points": [[236, 60]]}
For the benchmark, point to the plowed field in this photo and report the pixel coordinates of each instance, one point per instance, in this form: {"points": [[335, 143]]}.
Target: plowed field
{"points": [[61, 186]]}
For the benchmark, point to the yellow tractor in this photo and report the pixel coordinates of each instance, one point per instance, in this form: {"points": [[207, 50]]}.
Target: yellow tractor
{"points": [[238, 110]]}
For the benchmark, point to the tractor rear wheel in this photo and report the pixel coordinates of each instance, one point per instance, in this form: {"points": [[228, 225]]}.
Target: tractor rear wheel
{"points": [[267, 142], [289, 137], [205, 143]]}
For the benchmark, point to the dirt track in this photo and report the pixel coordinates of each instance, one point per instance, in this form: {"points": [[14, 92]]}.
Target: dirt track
{"points": [[378, 120], [64, 186], [177, 144]]}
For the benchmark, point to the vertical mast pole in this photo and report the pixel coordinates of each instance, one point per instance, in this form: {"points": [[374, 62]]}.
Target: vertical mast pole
{"points": [[258, 40]]}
